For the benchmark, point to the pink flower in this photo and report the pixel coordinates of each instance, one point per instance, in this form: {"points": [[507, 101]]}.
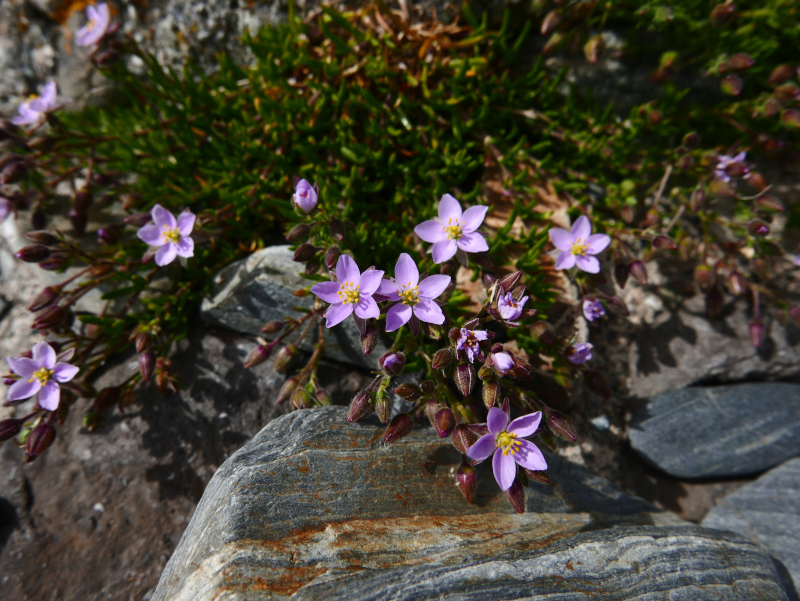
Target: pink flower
{"points": [[469, 342], [41, 375], [33, 109], [504, 441], [99, 20], [414, 297], [579, 352], [503, 361], [305, 196], [352, 293], [593, 309], [727, 163], [453, 230], [170, 235], [577, 245], [510, 309]]}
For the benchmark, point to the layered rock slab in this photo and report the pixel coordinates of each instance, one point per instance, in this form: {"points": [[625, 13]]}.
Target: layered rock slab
{"points": [[316, 508], [720, 431]]}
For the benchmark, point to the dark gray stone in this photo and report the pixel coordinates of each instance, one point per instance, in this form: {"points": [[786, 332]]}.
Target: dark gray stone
{"points": [[258, 289], [719, 432], [767, 512], [315, 508]]}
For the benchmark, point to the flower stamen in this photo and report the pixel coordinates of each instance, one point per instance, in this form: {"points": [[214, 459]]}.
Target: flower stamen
{"points": [[42, 374], [579, 248], [170, 234], [409, 295], [508, 442], [453, 229], [349, 293]]}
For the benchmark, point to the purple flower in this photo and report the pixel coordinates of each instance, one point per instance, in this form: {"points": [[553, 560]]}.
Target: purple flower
{"points": [[577, 245], [99, 19], [593, 309], [579, 352], [305, 196], [170, 235], [414, 297], [41, 375], [33, 109], [509, 308], [503, 361], [353, 292], [453, 230], [725, 161], [469, 342], [5, 208], [504, 441], [392, 363]]}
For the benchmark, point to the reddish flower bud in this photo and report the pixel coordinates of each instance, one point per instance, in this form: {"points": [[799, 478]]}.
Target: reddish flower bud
{"points": [[369, 339], [305, 252], [786, 93], [463, 438], [323, 396], [431, 408], [465, 378], [508, 282], [593, 50], [691, 140], [298, 233], [705, 277], [516, 496], [696, 200], [794, 314], [400, 425], [147, 362], [257, 356], [337, 230], [561, 425], [45, 298], [287, 388], [639, 271], [556, 40], [332, 256], [9, 428], [757, 332], [409, 392], [272, 327], [285, 358], [791, 118], [143, 341], [757, 228], [41, 437], [392, 363], [491, 394], [138, 220], [444, 422], [769, 203], [780, 74], [313, 266], [467, 481], [664, 243], [299, 398], [442, 359], [715, 301], [78, 219], [732, 84], [543, 331], [50, 318], [33, 254], [105, 58], [740, 62], [360, 407], [621, 272], [551, 21], [82, 201], [538, 476], [722, 14], [42, 237], [383, 406]]}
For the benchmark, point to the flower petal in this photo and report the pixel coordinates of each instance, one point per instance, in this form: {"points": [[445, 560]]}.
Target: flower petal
{"points": [[166, 254], [387, 290], [49, 396], [565, 260], [444, 250], [347, 270], [503, 361], [588, 264], [370, 281], [162, 217], [44, 355], [449, 209], [22, 389], [150, 234], [484, 447], [472, 242], [185, 247], [525, 425], [405, 272], [186, 223], [597, 243], [496, 420], [22, 366], [529, 456], [327, 291], [561, 239], [64, 372], [91, 13], [473, 217], [582, 228], [428, 311], [397, 316], [103, 14], [505, 469], [431, 231], [26, 116], [337, 314], [433, 286], [367, 308]]}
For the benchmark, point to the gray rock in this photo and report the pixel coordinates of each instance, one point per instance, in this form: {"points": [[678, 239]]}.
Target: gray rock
{"points": [[767, 512], [719, 432], [315, 508], [258, 289]]}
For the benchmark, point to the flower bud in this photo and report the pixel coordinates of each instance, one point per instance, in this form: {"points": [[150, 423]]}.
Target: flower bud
{"points": [[360, 407], [147, 362], [705, 277], [551, 22], [516, 496], [323, 396], [400, 425], [312, 266], [757, 332], [442, 359], [767, 202], [721, 189], [50, 318], [561, 425], [722, 14], [543, 331], [691, 140], [732, 84], [33, 254], [105, 399], [786, 93], [639, 271], [82, 201], [299, 398], [737, 284], [305, 252], [332, 256], [78, 219], [491, 394], [714, 302], [444, 422], [432, 407], [392, 363], [780, 74], [257, 356], [109, 234], [138, 220], [696, 200], [337, 230], [383, 406], [791, 118], [465, 378], [555, 40], [409, 392], [287, 388], [298, 233], [538, 476], [285, 358], [509, 281], [664, 243], [757, 228], [9, 428], [143, 341], [45, 298], [42, 237], [369, 339], [467, 481], [463, 438], [740, 62], [485, 371], [593, 50], [272, 327], [41, 437]]}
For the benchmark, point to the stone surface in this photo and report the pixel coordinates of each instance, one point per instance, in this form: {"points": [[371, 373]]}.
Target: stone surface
{"points": [[768, 513], [315, 508], [258, 289], [719, 432]]}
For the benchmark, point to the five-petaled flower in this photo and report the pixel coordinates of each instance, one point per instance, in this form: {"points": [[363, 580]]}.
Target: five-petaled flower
{"points": [[580, 352], [414, 297], [169, 235], [453, 230], [726, 163], [305, 196], [509, 308], [99, 19], [469, 341], [352, 293], [506, 442], [578, 245], [33, 109], [41, 375], [593, 309]]}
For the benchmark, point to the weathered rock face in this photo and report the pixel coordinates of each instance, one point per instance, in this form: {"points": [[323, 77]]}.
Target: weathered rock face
{"points": [[768, 513], [315, 508], [719, 432], [258, 289]]}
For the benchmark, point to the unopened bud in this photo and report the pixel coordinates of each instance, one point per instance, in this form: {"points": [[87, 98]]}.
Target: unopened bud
{"points": [[664, 243], [42, 237], [561, 425], [550, 22], [392, 363], [147, 362], [769, 203], [442, 359], [516, 496], [791, 118], [539, 476], [740, 62], [465, 378], [305, 252], [409, 392], [299, 398], [313, 266], [467, 481], [138, 220], [82, 201], [757, 332], [639, 271], [298, 233], [432, 407], [33, 254], [400, 425], [737, 284], [786, 93], [593, 50], [360, 407], [13, 172], [444, 422], [78, 219], [332, 256], [50, 318], [9, 428], [369, 339], [337, 230], [714, 302], [285, 358], [621, 272], [721, 189], [780, 74], [691, 140], [463, 438], [696, 200], [45, 298], [705, 277], [257, 356], [757, 228], [556, 40], [144, 340], [543, 331], [508, 282], [41, 437], [287, 388], [383, 406], [722, 14], [272, 327], [491, 394]]}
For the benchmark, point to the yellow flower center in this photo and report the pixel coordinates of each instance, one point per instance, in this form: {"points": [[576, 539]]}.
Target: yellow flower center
{"points": [[90, 25], [170, 234], [508, 442], [33, 97], [42, 374], [349, 293], [579, 247], [409, 295], [453, 229], [471, 340]]}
